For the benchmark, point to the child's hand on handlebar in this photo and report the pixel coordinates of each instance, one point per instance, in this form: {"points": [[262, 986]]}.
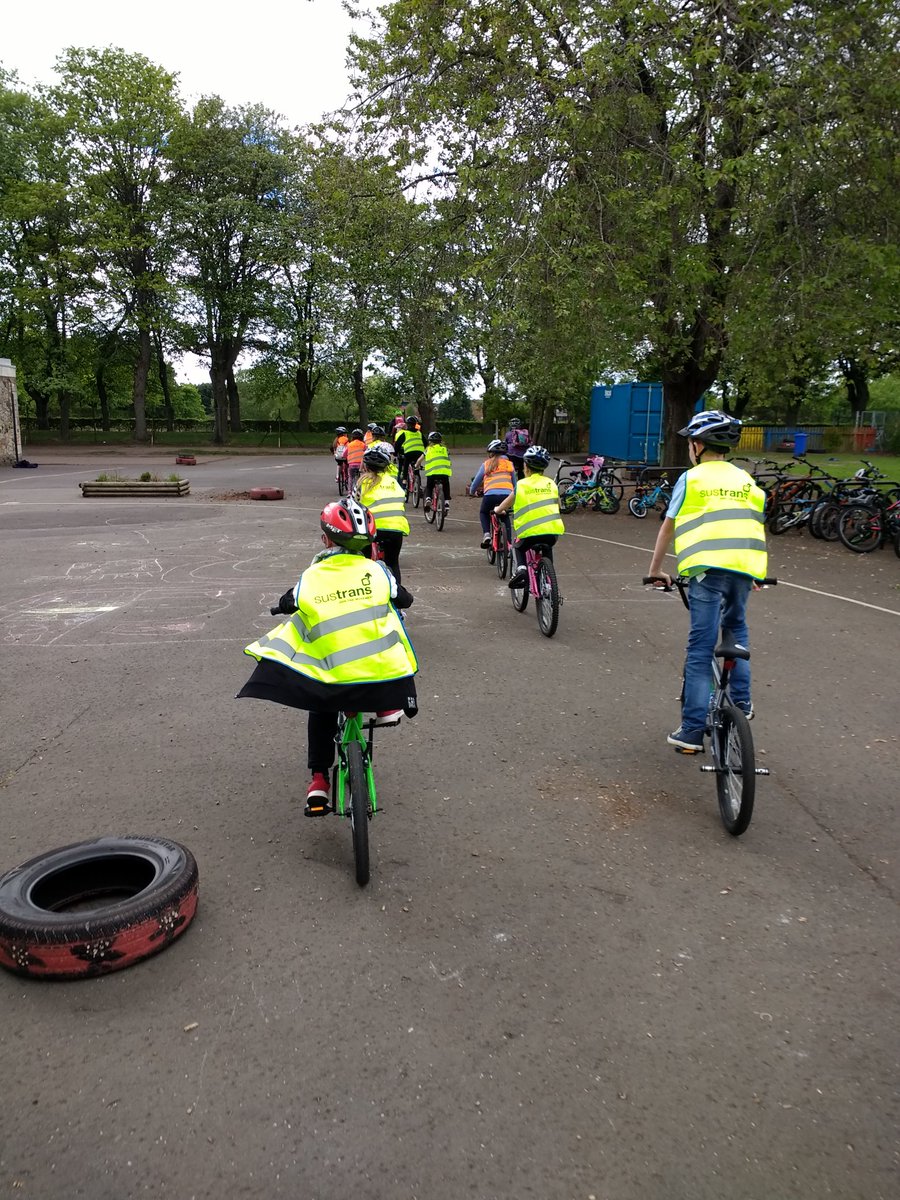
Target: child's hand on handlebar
{"points": [[660, 580]]}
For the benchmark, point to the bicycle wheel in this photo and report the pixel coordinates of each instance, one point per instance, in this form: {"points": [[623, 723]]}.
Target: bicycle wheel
{"points": [[605, 501], [547, 602], [568, 501], [489, 548], [503, 552], [735, 769], [429, 510], [897, 544], [519, 596], [860, 528], [417, 489], [613, 484], [359, 810], [823, 520], [343, 482], [437, 500], [636, 507]]}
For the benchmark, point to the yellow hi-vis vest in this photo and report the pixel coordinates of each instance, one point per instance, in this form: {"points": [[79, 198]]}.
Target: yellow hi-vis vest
{"points": [[720, 522], [536, 507], [345, 629], [385, 499], [412, 440], [437, 460]]}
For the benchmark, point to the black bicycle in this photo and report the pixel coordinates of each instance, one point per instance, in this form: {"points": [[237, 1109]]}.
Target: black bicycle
{"points": [[730, 739]]}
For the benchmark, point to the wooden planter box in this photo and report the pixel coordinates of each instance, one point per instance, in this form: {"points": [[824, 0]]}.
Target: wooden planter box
{"points": [[136, 487]]}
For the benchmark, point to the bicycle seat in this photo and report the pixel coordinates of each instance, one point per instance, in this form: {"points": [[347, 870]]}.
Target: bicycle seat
{"points": [[540, 547], [731, 649]]}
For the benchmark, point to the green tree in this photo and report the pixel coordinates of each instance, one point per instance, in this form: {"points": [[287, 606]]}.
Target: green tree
{"points": [[226, 195], [120, 109]]}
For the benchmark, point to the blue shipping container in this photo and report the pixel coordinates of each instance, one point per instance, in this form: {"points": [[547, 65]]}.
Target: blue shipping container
{"points": [[626, 421]]}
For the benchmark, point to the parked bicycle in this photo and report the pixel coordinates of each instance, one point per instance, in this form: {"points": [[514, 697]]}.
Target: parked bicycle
{"points": [[588, 486], [650, 498], [730, 738], [542, 584], [865, 527], [498, 549]]}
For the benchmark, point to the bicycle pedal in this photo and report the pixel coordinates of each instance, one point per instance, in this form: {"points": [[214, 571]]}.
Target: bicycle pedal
{"points": [[318, 811]]}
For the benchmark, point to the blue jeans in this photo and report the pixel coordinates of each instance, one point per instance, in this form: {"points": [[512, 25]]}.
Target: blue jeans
{"points": [[717, 599]]}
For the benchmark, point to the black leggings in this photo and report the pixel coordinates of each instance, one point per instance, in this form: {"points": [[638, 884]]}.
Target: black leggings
{"points": [[548, 540], [390, 542], [321, 731], [431, 480]]}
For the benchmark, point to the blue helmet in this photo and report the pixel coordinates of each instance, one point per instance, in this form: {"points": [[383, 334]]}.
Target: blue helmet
{"points": [[537, 458]]}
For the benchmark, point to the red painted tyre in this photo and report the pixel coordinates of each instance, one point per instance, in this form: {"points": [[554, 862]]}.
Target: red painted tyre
{"points": [[95, 907], [266, 493], [185, 460]]}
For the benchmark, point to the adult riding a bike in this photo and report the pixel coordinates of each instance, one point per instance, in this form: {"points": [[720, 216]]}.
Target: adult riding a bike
{"points": [[716, 519], [380, 492], [496, 478], [343, 647], [438, 469]]}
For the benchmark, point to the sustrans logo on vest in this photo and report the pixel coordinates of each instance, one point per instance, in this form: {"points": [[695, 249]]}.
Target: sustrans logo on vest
{"points": [[357, 593], [726, 493]]}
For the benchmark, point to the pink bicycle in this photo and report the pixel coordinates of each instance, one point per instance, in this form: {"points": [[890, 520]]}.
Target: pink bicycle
{"points": [[543, 585]]}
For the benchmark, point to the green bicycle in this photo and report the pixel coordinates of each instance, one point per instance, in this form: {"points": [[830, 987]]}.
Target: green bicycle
{"points": [[353, 785]]}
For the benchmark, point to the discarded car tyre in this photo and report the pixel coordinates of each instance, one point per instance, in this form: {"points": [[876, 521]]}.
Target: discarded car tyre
{"points": [[96, 906], [185, 460], [266, 493]]}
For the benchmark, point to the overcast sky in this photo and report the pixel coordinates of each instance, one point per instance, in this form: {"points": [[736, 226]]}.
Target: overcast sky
{"points": [[286, 54]]}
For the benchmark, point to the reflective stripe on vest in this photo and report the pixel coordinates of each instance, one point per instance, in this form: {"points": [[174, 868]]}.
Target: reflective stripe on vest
{"points": [[355, 452], [536, 507], [720, 522], [345, 630], [412, 441], [437, 461], [501, 479], [385, 500]]}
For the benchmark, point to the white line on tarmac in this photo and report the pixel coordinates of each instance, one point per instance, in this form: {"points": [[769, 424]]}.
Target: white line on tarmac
{"points": [[781, 583], [268, 467]]}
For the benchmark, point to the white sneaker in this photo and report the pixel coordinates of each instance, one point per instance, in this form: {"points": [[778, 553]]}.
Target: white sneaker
{"points": [[391, 717]]}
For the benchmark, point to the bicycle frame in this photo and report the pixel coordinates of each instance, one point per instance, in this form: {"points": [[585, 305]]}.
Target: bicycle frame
{"points": [[350, 729]]}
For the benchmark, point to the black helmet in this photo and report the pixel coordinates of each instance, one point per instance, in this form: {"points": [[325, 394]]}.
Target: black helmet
{"points": [[412, 422], [713, 428], [434, 437], [495, 446], [376, 458], [537, 458], [377, 431]]}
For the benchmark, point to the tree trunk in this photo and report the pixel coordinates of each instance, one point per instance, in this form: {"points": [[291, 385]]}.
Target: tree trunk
{"points": [[218, 375], [41, 407], [856, 378], [303, 388], [234, 402], [102, 394], [65, 402], [683, 385], [163, 372], [139, 391], [359, 394], [424, 401]]}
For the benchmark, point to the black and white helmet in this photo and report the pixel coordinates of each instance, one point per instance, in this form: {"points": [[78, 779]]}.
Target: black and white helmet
{"points": [[537, 458], [377, 457], [713, 428], [435, 438], [495, 446]]}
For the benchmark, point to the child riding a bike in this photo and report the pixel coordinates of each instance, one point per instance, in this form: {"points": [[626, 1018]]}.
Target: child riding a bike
{"points": [[535, 510], [497, 478], [409, 445], [438, 468], [356, 448], [716, 518], [343, 647], [380, 492]]}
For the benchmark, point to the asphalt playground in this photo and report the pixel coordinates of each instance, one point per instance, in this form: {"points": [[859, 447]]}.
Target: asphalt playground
{"points": [[565, 981]]}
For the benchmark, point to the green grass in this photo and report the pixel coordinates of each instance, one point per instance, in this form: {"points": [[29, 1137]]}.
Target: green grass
{"points": [[841, 465]]}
